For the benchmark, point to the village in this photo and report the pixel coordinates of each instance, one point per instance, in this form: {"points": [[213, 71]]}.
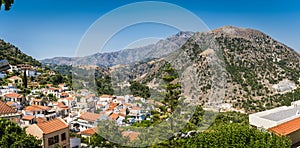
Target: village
{"points": [[51, 112]]}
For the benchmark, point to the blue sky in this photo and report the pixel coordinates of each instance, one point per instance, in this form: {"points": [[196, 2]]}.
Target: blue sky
{"points": [[50, 28]]}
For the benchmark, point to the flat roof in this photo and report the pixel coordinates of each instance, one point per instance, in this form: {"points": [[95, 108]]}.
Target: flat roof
{"points": [[282, 114]]}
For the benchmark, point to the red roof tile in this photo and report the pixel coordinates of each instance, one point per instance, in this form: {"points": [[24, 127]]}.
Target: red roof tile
{"points": [[28, 118], [5, 109], [10, 103], [15, 77], [40, 120], [105, 96], [13, 95], [89, 131], [286, 128], [114, 116], [70, 98], [53, 126], [90, 116], [36, 108]]}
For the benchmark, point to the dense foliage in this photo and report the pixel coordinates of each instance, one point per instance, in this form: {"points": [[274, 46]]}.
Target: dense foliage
{"points": [[104, 85], [229, 129], [11, 135], [15, 56], [138, 89], [231, 135], [7, 4]]}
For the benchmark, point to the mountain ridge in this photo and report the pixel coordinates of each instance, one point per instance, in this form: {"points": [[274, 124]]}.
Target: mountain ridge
{"points": [[15, 56], [126, 56], [257, 67]]}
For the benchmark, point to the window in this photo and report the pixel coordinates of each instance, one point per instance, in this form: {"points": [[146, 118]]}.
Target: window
{"points": [[52, 140], [56, 140], [63, 137]]}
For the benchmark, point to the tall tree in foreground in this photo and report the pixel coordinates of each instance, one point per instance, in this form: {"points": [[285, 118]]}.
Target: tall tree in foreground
{"points": [[172, 90], [7, 4], [25, 79]]}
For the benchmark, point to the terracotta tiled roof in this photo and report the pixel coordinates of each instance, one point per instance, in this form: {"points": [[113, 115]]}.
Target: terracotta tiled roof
{"points": [[70, 98], [61, 85], [90, 116], [10, 103], [54, 89], [49, 85], [13, 95], [28, 118], [40, 120], [122, 114], [136, 108], [131, 135], [127, 104], [120, 99], [14, 77], [287, 127], [105, 96], [36, 108], [5, 109], [53, 125], [89, 131], [63, 94], [61, 105], [114, 116]]}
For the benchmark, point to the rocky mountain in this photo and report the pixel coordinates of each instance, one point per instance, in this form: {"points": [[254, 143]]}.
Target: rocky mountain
{"points": [[14, 55], [244, 67], [256, 71], [126, 56]]}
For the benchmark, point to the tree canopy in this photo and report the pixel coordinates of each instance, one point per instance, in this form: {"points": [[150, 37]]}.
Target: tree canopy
{"points": [[7, 4], [12, 135], [138, 89]]}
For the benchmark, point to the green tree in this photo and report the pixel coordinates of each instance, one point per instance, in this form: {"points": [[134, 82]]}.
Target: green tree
{"points": [[230, 135], [172, 89], [138, 89], [25, 79], [7, 4], [104, 85], [12, 135]]}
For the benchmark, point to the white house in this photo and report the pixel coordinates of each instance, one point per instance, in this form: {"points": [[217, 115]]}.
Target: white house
{"points": [[270, 118]]}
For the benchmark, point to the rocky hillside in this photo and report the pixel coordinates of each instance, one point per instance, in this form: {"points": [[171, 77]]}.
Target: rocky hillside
{"points": [[256, 70], [126, 56], [14, 55]]}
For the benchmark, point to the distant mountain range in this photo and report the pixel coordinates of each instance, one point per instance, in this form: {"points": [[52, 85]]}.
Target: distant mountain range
{"points": [[126, 56]]}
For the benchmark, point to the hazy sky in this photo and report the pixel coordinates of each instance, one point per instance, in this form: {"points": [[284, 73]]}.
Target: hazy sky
{"points": [[48, 28]]}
